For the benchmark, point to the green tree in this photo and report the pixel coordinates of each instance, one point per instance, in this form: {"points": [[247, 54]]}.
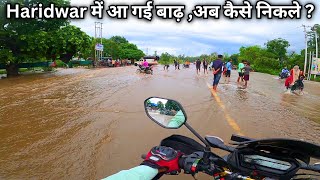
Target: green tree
{"points": [[235, 58], [148, 103], [111, 48], [24, 40], [160, 105], [119, 39], [172, 105], [165, 59], [278, 47], [260, 59], [67, 42], [130, 51]]}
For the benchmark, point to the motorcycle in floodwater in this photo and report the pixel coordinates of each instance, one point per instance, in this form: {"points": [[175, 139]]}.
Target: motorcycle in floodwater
{"points": [[247, 159], [284, 75], [147, 70]]}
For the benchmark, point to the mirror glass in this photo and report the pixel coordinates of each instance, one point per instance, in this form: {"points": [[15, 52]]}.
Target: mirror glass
{"points": [[165, 112]]}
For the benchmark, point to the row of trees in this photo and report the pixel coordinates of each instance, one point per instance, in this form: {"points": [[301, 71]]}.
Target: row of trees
{"points": [[42, 40], [120, 48], [270, 58], [170, 105]]}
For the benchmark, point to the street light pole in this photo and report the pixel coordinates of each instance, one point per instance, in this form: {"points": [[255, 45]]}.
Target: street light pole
{"points": [[306, 50], [314, 29], [316, 35]]}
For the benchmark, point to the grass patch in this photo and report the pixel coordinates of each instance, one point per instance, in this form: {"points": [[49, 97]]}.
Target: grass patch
{"points": [[23, 69], [317, 78]]}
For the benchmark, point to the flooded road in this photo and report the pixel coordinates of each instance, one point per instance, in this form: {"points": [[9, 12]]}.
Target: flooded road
{"points": [[88, 124]]}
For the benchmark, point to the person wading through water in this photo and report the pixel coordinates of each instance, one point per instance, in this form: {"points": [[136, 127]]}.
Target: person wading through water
{"points": [[217, 71]]}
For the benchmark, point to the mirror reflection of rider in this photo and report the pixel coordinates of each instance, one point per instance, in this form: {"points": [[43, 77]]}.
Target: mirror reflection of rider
{"points": [[177, 120]]}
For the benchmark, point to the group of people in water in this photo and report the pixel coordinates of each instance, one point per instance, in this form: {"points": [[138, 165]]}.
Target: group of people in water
{"points": [[221, 68], [293, 82]]}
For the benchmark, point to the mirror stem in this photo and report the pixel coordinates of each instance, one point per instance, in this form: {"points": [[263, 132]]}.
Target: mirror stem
{"points": [[207, 150]]}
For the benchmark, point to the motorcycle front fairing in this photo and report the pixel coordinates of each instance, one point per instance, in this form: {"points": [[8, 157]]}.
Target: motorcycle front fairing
{"points": [[278, 158], [182, 143]]}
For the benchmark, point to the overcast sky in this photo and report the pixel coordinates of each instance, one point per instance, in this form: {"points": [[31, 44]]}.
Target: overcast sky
{"points": [[199, 36]]}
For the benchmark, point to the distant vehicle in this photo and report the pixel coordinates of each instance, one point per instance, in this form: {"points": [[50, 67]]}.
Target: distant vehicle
{"points": [[147, 70], [152, 60], [105, 61]]}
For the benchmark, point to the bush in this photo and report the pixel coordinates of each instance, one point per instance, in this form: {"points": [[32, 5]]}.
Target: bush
{"points": [[47, 68], [60, 63], [317, 78]]}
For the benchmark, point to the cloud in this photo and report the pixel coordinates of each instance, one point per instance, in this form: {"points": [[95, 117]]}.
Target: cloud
{"points": [[199, 36]]}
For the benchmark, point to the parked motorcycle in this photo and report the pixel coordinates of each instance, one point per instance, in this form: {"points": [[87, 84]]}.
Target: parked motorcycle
{"points": [[147, 70], [248, 159]]}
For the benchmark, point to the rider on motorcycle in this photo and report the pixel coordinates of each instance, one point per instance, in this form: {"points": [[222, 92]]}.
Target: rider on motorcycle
{"points": [[284, 73], [145, 64]]}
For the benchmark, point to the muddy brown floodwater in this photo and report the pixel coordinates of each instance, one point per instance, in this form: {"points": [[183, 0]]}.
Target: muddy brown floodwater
{"points": [[90, 123]]}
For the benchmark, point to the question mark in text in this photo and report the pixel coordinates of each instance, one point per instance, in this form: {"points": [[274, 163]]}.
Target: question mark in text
{"points": [[310, 8]]}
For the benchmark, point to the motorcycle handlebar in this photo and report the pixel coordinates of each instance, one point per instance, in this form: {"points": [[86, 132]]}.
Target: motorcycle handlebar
{"points": [[181, 163], [201, 167]]}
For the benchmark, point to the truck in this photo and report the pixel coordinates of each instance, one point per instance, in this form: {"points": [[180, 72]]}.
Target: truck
{"points": [[152, 60]]}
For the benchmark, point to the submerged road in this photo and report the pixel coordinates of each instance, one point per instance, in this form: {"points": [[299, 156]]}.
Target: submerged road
{"points": [[88, 124]]}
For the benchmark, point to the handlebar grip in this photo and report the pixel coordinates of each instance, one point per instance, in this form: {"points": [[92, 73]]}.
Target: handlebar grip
{"points": [[181, 162]]}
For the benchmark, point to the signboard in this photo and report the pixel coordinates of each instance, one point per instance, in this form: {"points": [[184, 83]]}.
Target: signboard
{"points": [[315, 66], [99, 47]]}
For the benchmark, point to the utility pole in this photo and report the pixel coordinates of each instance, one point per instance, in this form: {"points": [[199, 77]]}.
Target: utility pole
{"points": [[306, 49], [98, 34], [310, 62], [315, 75], [314, 29]]}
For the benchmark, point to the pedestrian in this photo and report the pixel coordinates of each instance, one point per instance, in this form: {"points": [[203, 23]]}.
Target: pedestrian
{"points": [[246, 73], [205, 66], [224, 69], [217, 71], [178, 65], [228, 71], [210, 66], [294, 76], [175, 64], [198, 64], [165, 67], [240, 72]]}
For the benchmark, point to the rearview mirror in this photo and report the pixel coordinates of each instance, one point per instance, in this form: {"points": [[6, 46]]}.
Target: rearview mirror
{"points": [[165, 112]]}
